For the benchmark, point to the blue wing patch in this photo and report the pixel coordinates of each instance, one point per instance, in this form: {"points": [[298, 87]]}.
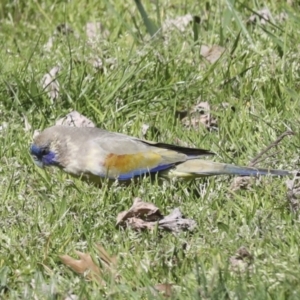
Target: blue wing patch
{"points": [[141, 172]]}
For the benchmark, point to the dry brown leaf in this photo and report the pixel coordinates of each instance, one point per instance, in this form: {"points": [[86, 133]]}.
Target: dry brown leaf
{"points": [[293, 193], [241, 183], [200, 115], [109, 260], [211, 53], [165, 288], [140, 209], [60, 30], [95, 31], [263, 16], [75, 119], [84, 265], [180, 23], [176, 222], [50, 84], [143, 215], [242, 260], [139, 224]]}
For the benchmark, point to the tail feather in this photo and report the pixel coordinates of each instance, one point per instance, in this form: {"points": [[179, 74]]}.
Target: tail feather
{"points": [[198, 168]]}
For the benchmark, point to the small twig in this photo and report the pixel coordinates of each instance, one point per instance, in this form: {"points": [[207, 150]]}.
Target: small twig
{"points": [[255, 160], [264, 158]]}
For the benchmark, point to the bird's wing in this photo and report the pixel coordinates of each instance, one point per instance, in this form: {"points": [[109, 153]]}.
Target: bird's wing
{"points": [[119, 156]]}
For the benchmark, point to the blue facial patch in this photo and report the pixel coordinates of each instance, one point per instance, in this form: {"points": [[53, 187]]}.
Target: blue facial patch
{"points": [[45, 157], [34, 150], [49, 159]]}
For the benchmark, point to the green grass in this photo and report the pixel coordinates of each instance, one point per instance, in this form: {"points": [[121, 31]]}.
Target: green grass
{"points": [[44, 214]]}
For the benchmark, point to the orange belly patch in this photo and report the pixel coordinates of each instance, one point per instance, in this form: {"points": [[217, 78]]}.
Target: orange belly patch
{"points": [[129, 162]]}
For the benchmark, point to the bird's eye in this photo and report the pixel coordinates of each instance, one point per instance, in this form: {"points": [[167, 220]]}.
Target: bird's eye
{"points": [[44, 152]]}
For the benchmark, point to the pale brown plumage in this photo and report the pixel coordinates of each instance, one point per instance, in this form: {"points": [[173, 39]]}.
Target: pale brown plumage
{"points": [[92, 151]]}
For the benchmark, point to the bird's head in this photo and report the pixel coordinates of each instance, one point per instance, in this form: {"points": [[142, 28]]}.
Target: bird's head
{"points": [[44, 150]]}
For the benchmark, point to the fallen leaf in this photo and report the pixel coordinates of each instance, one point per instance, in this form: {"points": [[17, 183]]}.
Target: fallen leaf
{"points": [[200, 115], [211, 53], [241, 183], [242, 260], [140, 209], [143, 215], [75, 119], [84, 265], [263, 16], [165, 288], [139, 224], [50, 84], [110, 261], [180, 23], [95, 31], [293, 193], [60, 30], [176, 222]]}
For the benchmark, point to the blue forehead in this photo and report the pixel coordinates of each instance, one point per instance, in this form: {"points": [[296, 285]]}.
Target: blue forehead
{"points": [[47, 159], [35, 150]]}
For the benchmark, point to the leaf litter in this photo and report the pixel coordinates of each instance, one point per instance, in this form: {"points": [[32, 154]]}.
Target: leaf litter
{"points": [[108, 266], [211, 53], [264, 16], [86, 266], [143, 215], [293, 193], [75, 119], [199, 115], [95, 34], [50, 83], [242, 260]]}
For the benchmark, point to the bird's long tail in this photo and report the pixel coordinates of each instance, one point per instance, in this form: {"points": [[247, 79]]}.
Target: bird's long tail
{"points": [[197, 168]]}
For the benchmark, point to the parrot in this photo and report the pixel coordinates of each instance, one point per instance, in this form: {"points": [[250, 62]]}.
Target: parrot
{"points": [[91, 152]]}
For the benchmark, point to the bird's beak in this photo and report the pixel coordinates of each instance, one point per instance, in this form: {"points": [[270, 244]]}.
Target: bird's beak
{"points": [[33, 152], [38, 162]]}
